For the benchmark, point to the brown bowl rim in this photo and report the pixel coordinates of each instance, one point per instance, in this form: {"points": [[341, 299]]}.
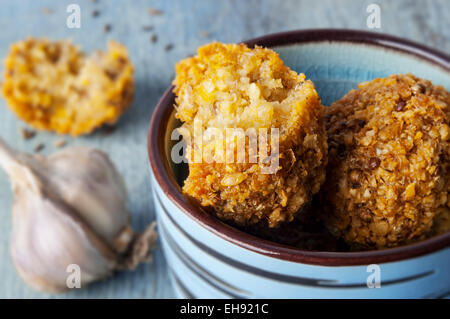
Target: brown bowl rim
{"points": [[167, 183]]}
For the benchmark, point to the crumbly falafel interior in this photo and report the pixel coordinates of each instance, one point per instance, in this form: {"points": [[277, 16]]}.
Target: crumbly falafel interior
{"points": [[55, 86], [233, 86]]}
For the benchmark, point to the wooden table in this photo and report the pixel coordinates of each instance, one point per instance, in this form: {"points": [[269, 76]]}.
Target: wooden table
{"points": [[185, 25]]}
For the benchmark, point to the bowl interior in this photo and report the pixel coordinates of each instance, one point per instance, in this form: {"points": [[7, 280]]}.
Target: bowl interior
{"points": [[335, 66]]}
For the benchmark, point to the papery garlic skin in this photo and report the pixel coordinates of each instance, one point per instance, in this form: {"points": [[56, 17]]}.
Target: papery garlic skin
{"points": [[69, 208]]}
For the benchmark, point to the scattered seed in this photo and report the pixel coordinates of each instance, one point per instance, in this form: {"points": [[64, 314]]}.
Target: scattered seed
{"points": [[154, 38], [154, 12], [400, 106], [109, 129], [374, 162], [27, 133], [47, 11], [168, 47], [107, 28], [204, 34], [147, 28], [95, 13], [60, 143], [39, 147]]}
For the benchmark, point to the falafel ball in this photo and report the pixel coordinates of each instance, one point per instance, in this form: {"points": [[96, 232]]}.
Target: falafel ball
{"points": [[54, 86], [232, 86], [389, 162]]}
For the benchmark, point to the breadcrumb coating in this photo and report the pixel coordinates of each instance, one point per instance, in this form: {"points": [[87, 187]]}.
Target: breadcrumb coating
{"points": [[54, 86], [233, 86], [388, 174]]}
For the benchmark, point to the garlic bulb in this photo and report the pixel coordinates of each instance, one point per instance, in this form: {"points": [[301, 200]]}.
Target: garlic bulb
{"points": [[69, 209]]}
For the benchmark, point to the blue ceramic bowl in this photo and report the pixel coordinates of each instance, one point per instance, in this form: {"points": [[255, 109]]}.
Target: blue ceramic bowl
{"points": [[209, 259]]}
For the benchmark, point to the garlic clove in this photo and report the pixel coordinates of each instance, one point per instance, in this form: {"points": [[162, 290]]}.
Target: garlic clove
{"points": [[46, 239], [69, 208], [87, 180]]}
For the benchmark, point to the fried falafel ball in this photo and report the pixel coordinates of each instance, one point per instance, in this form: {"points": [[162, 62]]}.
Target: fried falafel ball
{"points": [[54, 86], [233, 86], [389, 162]]}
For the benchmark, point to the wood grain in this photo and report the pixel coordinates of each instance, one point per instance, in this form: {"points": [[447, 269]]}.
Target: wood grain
{"points": [[182, 24]]}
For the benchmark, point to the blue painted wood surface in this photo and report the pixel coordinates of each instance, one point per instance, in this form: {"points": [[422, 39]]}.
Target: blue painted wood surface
{"points": [[183, 24]]}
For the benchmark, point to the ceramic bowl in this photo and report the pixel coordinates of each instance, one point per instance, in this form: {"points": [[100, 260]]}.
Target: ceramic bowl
{"points": [[210, 259]]}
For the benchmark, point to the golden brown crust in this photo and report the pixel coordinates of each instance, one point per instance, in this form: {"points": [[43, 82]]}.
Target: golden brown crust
{"points": [[388, 173], [235, 86], [54, 86]]}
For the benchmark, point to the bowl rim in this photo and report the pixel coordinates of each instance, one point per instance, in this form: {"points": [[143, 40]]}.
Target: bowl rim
{"points": [[160, 167]]}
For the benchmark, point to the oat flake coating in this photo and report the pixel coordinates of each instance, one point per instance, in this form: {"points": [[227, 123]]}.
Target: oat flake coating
{"points": [[388, 174], [238, 87], [54, 86]]}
